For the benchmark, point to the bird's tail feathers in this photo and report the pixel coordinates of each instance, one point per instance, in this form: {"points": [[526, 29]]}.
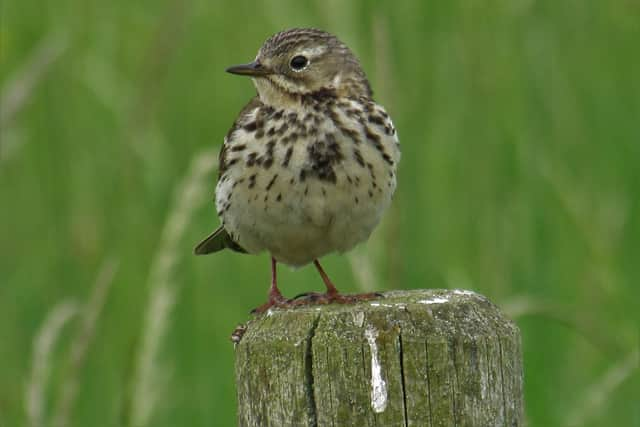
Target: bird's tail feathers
{"points": [[217, 241]]}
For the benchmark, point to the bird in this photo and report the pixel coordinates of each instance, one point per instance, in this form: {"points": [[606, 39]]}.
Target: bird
{"points": [[309, 165]]}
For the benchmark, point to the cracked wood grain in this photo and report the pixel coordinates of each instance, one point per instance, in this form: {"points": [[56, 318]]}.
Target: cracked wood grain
{"points": [[414, 358]]}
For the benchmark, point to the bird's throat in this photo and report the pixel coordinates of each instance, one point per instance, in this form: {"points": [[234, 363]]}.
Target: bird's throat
{"points": [[274, 94]]}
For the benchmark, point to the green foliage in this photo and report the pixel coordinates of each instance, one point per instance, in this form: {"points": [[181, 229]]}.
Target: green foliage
{"points": [[520, 179]]}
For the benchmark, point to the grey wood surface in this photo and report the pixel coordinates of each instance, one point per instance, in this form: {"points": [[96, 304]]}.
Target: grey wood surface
{"points": [[412, 358]]}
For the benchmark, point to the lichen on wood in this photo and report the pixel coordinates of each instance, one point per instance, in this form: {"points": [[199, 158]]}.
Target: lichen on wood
{"points": [[412, 358]]}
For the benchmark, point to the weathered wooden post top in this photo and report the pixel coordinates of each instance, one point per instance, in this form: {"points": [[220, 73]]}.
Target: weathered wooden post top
{"points": [[412, 358]]}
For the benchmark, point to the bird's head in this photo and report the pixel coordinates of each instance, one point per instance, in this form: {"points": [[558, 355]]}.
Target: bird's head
{"points": [[300, 62]]}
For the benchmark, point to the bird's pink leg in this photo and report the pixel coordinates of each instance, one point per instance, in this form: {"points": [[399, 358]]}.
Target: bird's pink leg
{"points": [[275, 297], [274, 292], [332, 294], [331, 289]]}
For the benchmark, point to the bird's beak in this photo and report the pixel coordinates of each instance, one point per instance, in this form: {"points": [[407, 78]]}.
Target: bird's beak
{"points": [[254, 68]]}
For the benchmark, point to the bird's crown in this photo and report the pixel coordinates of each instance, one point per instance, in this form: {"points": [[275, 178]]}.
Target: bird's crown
{"points": [[303, 61]]}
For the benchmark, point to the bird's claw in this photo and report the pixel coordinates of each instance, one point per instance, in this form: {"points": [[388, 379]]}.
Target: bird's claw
{"points": [[315, 298], [277, 301]]}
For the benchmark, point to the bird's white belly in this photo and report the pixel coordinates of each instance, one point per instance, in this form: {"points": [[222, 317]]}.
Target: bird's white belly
{"points": [[272, 196], [299, 222]]}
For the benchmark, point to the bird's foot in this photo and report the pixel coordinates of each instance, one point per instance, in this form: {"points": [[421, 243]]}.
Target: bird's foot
{"points": [[317, 298], [277, 301]]}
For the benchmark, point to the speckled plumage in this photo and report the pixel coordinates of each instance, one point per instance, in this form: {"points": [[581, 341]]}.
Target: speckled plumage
{"points": [[309, 166]]}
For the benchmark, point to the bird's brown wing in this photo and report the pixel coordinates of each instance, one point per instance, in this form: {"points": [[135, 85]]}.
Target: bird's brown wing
{"points": [[220, 239]]}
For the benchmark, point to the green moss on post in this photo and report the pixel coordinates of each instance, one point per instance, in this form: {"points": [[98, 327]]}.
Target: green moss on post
{"points": [[413, 358]]}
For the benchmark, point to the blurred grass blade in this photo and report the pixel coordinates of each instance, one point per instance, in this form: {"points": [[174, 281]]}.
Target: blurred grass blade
{"points": [[580, 322], [82, 341], [19, 89], [43, 347], [599, 394], [148, 376], [363, 271]]}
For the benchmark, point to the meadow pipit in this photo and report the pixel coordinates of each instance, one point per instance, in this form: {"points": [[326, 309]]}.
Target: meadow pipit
{"points": [[309, 165]]}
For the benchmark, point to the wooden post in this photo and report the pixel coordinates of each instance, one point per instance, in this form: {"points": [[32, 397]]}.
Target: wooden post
{"points": [[412, 358]]}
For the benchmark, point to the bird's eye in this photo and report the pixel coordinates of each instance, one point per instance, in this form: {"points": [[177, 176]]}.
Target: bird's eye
{"points": [[298, 62]]}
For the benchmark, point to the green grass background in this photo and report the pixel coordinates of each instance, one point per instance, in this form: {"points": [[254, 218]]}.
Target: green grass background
{"points": [[520, 179]]}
